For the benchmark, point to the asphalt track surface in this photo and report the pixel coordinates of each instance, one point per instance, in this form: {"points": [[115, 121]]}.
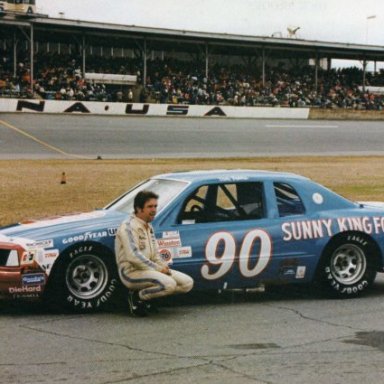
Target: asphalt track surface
{"points": [[31, 136], [292, 336]]}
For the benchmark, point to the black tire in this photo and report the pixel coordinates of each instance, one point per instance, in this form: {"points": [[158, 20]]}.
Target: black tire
{"points": [[85, 279], [348, 267]]}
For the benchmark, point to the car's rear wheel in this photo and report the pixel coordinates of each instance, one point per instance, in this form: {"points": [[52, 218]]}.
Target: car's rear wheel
{"points": [[348, 268], [85, 279]]}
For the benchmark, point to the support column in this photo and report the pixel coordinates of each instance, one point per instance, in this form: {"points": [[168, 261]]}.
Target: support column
{"points": [[14, 55], [364, 73], [263, 67], [316, 73], [32, 59], [145, 63], [83, 55], [206, 60]]}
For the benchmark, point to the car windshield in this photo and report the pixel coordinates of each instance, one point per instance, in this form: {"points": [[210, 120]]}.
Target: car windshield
{"points": [[166, 189]]}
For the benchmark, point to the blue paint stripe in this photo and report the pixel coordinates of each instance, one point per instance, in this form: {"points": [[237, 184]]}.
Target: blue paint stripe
{"points": [[159, 286]]}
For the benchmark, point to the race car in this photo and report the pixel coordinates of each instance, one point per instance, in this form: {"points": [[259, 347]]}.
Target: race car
{"points": [[225, 228]]}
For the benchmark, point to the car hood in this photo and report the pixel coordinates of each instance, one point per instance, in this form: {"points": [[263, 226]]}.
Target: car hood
{"points": [[63, 225]]}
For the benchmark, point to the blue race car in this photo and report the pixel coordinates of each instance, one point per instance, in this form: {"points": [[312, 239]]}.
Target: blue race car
{"points": [[227, 229]]}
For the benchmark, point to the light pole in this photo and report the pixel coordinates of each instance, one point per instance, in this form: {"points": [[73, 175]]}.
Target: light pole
{"points": [[367, 23]]}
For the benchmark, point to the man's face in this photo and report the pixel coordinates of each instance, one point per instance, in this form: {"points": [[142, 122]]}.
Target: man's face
{"points": [[148, 212]]}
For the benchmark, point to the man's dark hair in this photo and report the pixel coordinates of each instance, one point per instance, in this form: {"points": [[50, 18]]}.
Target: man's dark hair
{"points": [[142, 197]]}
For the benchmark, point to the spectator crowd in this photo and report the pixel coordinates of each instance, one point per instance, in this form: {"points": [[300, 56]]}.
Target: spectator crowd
{"points": [[60, 77]]}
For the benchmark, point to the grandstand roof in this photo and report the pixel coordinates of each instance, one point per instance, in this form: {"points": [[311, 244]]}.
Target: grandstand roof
{"points": [[160, 38]]}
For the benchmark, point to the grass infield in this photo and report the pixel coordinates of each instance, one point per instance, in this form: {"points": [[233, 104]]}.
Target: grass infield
{"points": [[32, 189]]}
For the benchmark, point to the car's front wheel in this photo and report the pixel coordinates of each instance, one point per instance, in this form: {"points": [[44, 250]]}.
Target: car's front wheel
{"points": [[348, 267], [85, 279]]}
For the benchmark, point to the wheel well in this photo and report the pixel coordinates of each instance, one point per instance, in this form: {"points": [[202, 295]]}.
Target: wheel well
{"points": [[374, 250]]}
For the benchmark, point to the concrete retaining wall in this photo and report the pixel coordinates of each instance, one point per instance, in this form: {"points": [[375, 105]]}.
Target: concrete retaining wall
{"points": [[159, 110]]}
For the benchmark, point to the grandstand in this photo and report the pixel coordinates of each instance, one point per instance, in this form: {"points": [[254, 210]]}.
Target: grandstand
{"points": [[70, 59]]}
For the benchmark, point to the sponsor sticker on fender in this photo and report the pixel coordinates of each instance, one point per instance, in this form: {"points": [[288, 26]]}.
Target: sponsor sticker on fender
{"points": [[166, 255], [171, 234], [25, 289], [183, 252], [42, 244], [33, 279], [51, 254], [171, 242]]}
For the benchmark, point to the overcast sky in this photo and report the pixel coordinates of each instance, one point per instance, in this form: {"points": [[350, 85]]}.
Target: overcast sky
{"points": [[352, 21], [346, 21]]}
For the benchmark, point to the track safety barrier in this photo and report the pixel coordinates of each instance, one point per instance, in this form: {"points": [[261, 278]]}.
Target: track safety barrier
{"points": [[147, 109]]}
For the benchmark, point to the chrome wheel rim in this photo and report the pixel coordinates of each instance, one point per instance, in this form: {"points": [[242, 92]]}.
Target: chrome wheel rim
{"points": [[86, 276], [348, 264]]}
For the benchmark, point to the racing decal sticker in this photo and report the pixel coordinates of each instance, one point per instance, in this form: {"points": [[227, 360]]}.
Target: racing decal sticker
{"points": [[48, 259], [300, 272], [166, 255], [318, 198], [86, 236], [171, 234], [188, 222], [293, 271], [33, 279], [234, 178], [27, 258], [171, 247], [170, 242], [51, 254], [25, 290], [221, 254], [42, 244], [307, 229], [183, 252], [288, 271], [169, 239], [315, 229], [112, 231]]}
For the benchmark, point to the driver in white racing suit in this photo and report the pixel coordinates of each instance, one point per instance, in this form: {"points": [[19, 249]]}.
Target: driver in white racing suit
{"points": [[139, 264]]}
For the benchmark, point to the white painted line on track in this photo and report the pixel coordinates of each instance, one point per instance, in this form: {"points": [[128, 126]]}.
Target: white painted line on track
{"points": [[313, 126], [41, 142]]}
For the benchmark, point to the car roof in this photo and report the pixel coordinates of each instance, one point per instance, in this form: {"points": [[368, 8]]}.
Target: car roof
{"points": [[228, 175]]}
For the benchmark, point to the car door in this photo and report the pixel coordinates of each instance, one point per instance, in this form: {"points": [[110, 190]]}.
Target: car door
{"points": [[222, 235]]}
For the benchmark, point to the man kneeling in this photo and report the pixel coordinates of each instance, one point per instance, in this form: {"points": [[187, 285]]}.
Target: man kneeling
{"points": [[140, 267]]}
